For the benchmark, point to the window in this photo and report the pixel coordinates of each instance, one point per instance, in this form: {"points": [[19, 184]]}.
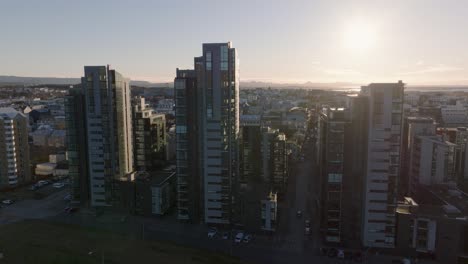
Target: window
{"points": [[334, 177], [181, 129], [224, 58], [378, 191], [208, 60]]}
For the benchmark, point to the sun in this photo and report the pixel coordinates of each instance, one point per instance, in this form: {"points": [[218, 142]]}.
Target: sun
{"points": [[359, 36]]}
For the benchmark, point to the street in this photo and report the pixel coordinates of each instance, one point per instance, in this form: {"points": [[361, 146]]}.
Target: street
{"points": [[301, 191], [35, 209], [289, 245]]}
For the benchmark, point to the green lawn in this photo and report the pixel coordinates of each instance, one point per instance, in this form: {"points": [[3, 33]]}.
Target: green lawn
{"points": [[42, 242]]}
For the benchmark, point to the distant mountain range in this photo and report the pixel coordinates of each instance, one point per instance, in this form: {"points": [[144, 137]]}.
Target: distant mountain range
{"points": [[16, 80], [29, 81]]}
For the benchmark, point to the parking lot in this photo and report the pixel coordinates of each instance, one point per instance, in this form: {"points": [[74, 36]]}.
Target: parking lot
{"points": [[43, 202]]}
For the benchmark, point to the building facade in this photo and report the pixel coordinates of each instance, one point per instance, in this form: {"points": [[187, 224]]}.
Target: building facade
{"points": [[75, 124], [383, 163], [269, 212], [14, 149], [431, 162], [434, 224], [250, 152], [332, 125], [103, 103], [187, 141], [412, 127], [263, 173], [461, 157], [275, 159], [217, 82], [149, 136], [342, 157]]}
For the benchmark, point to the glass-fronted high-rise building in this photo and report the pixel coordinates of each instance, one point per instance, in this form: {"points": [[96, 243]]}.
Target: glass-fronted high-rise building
{"points": [[217, 121], [75, 124], [103, 102], [149, 136], [188, 138]]}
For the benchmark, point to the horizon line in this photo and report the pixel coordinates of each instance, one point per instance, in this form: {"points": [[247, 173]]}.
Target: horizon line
{"points": [[266, 81]]}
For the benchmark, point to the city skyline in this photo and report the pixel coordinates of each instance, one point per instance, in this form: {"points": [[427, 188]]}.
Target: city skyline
{"points": [[421, 42], [125, 134]]}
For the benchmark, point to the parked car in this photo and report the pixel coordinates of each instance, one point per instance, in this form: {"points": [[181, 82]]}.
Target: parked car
{"points": [[307, 223], [332, 252], [7, 202], [67, 197], [33, 187], [42, 183], [299, 213], [226, 235], [58, 185], [247, 238], [69, 209], [239, 237], [212, 232]]}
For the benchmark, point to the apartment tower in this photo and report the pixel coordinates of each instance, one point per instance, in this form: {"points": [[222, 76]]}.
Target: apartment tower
{"points": [[14, 148], [383, 162], [217, 102], [102, 115]]}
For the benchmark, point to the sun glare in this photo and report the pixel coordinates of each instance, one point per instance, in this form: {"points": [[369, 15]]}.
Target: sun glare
{"points": [[359, 36]]}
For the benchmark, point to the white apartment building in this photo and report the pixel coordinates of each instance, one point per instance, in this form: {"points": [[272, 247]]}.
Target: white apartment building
{"points": [[382, 173], [431, 162]]}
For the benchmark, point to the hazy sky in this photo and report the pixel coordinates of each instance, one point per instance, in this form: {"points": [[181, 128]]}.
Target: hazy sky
{"points": [[418, 41]]}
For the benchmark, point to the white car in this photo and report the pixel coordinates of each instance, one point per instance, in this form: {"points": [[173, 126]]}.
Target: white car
{"points": [[42, 183], [239, 237], [7, 202], [58, 185], [247, 238], [212, 233]]}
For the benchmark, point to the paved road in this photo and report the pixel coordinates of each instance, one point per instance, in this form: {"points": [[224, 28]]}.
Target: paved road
{"points": [[34, 209], [262, 250]]}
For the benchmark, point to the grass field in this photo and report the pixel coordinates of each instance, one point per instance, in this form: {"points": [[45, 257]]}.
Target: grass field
{"points": [[42, 242]]}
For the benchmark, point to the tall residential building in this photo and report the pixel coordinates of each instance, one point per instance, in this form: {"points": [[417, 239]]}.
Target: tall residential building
{"points": [[14, 148], [263, 172], [149, 136], [274, 159], [250, 149], [383, 163], [333, 125], [188, 140], [431, 162], [76, 142], [217, 82], [107, 133], [342, 141], [412, 127], [461, 157], [263, 154]]}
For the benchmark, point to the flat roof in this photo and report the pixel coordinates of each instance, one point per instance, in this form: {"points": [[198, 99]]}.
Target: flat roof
{"points": [[157, 177], [443, 200]]}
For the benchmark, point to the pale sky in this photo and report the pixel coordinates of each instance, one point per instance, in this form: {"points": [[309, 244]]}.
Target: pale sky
{"points": [[418, 41]]}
